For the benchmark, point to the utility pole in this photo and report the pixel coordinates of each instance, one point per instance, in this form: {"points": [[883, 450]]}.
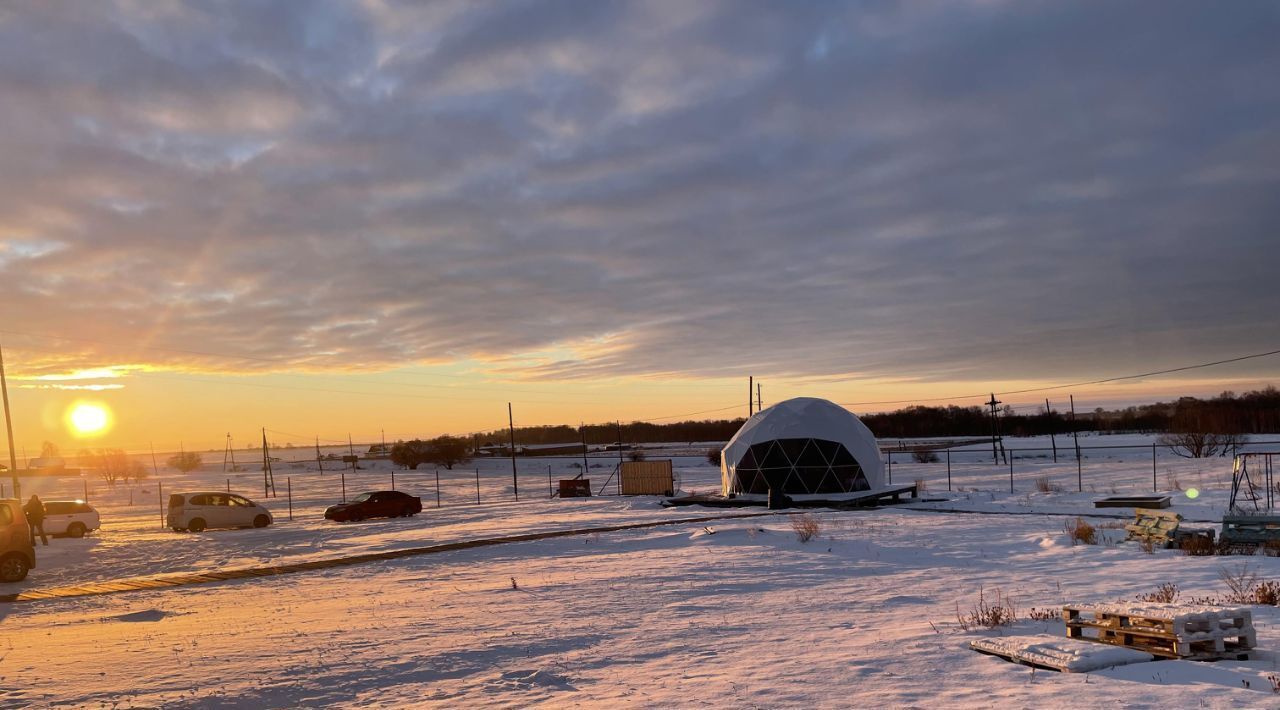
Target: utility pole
{"points": [[1075, 436], [319, 461], [511, 429], [229, 453], [8, 425], [1052, 442], [351, 451], [582, 429], [751, 395], [268, 480], [995, 454], [759, 400]]}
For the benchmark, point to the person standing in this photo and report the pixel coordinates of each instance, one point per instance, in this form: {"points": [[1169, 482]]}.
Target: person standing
{"points": [[35, 518]]}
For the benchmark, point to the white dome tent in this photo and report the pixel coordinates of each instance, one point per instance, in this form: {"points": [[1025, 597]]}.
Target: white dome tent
{"points": [[803, 446]]}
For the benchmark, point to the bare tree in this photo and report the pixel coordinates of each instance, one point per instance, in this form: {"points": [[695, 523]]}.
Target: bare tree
{"points": [[186, 461], [410, 454], [1198, 445], [111, 464]]}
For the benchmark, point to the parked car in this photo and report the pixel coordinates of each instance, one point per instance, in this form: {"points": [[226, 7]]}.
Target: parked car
{"points": [[17, 555], [375, 504], [72, 518], [212, 509]]}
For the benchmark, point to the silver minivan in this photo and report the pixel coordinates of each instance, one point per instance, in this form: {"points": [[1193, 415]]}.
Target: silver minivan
{"points": [[199, 510]]}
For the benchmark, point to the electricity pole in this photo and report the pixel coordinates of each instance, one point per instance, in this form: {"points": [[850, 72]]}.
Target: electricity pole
{"points": [[8, 425], [1052, 441], [751, 390], [995, 454], [511, 429], [759, 400]]}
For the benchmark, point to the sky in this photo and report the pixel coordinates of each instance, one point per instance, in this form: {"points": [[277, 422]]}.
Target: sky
{"points": [[354, 217]]}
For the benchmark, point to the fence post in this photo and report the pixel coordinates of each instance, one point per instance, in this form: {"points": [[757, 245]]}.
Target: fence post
{"points": [[228, 485], [948, 470], [343, 473], [393, 479], [477, 486], [288, 482], [1010, 454], [160, 493], [1079, 474], [890, 472], [551, 492], [437, 488], [1154, 485]]}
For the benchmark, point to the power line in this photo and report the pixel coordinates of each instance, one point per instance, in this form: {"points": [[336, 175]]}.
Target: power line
{"points": [[1073, 384]]}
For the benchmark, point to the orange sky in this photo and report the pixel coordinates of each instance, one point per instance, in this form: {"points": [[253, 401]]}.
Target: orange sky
{"points": [[170, 409]]}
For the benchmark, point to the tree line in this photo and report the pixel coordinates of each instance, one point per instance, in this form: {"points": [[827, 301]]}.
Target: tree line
{"points": [[1255, 412]]}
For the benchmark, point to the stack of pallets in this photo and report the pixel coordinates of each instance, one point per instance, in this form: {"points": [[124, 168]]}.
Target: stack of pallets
{"points": [[1200, 633]]}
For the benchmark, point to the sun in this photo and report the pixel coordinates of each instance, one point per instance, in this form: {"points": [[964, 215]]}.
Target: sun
{"points": [[88, 418]]}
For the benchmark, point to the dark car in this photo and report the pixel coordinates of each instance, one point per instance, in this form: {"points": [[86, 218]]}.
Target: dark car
{"points": [[375, 504]]}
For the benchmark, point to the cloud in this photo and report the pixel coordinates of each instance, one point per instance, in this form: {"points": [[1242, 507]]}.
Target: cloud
{"points": [[569, 190]]}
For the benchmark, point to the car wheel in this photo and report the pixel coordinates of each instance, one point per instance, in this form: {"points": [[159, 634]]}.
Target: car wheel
{"points": [[76, 530], [261, 521], [196, 525], [13, 568], [356, 518], [407, 512]]}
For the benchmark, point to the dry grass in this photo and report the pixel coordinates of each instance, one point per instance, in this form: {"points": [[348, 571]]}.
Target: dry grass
{"points": [[985, 614], [1044, 614], [1166, 593], [806, 526], [1198, 546], [1080, 531], [1044, 485]]}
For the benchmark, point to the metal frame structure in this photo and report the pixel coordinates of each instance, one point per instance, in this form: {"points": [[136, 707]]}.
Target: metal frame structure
{"points": [[1247, 479]]}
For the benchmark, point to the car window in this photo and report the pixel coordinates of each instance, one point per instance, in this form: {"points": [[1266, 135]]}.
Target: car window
{"points": [[175, 501], [6, 514], [218, 499], [57, 508], [241, 501], [201, 500], [362, 498]]}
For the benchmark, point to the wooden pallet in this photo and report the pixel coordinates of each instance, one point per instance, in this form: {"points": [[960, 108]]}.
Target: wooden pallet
{"points": [[1204, 633], [1160, 527]]}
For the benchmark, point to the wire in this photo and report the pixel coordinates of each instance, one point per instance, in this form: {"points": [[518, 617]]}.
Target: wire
{"points": [[1073, 384]]}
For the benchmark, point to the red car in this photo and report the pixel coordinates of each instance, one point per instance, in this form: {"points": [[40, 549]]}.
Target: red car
{"points": [[375, 504]]}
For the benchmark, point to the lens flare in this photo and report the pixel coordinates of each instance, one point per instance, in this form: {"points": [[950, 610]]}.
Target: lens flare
{"points": [[88, 419], [1193, 493]]}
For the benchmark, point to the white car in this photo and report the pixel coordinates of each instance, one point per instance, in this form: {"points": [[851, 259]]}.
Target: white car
{"points": [[72, 518], [214, 509]]}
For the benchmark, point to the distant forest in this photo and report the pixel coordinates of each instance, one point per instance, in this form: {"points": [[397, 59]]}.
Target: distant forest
{"points": [[1256, 412]]}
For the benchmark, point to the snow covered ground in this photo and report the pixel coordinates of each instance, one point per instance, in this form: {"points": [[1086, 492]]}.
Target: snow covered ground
{"points": [[732, 614]]}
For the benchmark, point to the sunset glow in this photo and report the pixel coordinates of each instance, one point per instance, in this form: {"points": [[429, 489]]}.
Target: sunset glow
{"points": [[88, 419]]}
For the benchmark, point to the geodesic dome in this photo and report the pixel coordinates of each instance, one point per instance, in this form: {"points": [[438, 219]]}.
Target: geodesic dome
{"points": [[802, 446]]}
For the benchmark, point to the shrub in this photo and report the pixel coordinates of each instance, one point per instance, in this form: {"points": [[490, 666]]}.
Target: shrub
{"points": [[924, 456], [1079, 530], [1044, 485], [1043, 614], [1198, 546], [186, 461], [1166, 593], [1267, 593], [986, 614], [1242, 580], [806, 526], [713, 456]]}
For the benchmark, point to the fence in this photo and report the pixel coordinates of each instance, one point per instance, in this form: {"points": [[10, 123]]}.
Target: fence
{"points": [[1035, 461]]}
